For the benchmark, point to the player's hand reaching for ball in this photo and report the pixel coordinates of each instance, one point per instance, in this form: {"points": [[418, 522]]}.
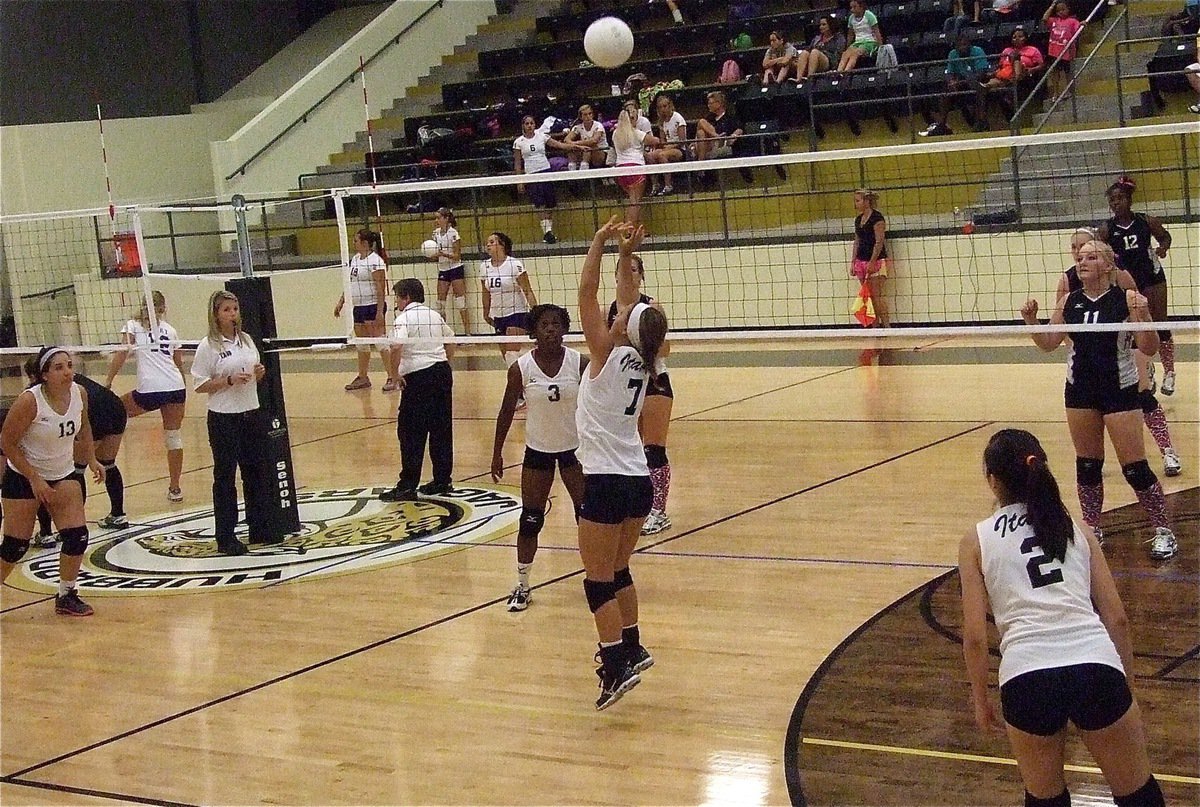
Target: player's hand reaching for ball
{"points": [[631, 238], [610, 228]]}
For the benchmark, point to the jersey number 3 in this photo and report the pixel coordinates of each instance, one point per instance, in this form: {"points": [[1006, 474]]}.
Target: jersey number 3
{"points": [[1037, 577]]}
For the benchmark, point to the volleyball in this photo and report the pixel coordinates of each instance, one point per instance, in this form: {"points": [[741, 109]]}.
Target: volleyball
{"points": [[608, 42], [430, 248]]}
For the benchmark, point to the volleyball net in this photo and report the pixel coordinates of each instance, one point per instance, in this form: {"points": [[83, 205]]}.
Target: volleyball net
{"points": [[744, 247]]}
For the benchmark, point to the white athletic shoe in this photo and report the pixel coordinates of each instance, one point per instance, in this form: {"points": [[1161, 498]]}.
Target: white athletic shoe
{"points": [[1168, 384], [1171, 464], [519, 599], [44, 540], [1163, 545], [174, 495], [656, 522]]}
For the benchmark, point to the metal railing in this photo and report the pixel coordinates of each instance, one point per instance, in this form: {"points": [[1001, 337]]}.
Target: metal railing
{"points": [[1127, 44], [341, 85]]}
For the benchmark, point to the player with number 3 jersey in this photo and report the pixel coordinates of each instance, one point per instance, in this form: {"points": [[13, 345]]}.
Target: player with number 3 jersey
{"points": [[547, 378]]}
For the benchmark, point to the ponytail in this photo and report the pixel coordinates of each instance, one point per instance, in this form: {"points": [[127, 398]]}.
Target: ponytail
{"points": [[1016, 459], [652, 330]]}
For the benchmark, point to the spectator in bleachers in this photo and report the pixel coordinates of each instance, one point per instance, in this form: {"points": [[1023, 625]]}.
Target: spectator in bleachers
{"points": [[965, 66], [992, 10], [1193, 77], [824, 51], [778, 60], [590, 135], [673, 7], [957, 19], [718, 131], [630, 143], [1063, 26], [672, 132], [530, 157], [865, 36], [1018, 63], [1185, 22]]}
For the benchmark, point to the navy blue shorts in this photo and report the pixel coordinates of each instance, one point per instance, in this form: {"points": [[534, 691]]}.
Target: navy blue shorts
{"points": [[544, 461], [612, 498], [1105, 400], [452, 274], [153, 401], [511, 321], [660, 386], [106, 415], [16, 485], [1092, 696], [366, 313], [542, 193]]}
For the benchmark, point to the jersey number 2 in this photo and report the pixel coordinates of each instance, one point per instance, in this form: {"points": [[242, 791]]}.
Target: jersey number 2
{"points": [[1037, 577]]}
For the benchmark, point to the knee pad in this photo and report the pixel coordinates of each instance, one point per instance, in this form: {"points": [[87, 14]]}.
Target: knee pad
{"points": [[532, 521], [599, 593], [1088, 471], [1148, 401], [460, 303], [74, 541], [80, 467], [656, 456], [174, 439], [1148, 795], [13, 549], [1164, 336], [1063, 799], [1138, 475], [622, 579], [108, 465]]}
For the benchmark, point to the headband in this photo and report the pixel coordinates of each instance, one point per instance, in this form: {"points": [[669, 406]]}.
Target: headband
{"points": [[50, 354], [633, 330]]}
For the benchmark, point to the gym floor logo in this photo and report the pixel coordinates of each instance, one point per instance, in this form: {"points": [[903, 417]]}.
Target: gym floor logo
{"points": [[341, 532]]}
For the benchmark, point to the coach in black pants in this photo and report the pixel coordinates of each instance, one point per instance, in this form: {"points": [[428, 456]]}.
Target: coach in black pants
{"points": [[420, 359]]}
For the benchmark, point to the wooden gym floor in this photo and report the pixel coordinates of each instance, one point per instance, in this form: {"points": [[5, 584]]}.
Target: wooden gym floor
{"points": [[801, 611]]}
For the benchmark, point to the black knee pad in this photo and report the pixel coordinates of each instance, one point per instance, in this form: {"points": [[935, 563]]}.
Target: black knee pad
{"points": [[74, 541], [1088, 471], [80, 467], [1138, 475], [1148, 401], [1063, 799], [599, 593], [532, 521], [656, 457], [1148, 795], [1165, 336], [107, 465], [622, 579], [13, 549]]}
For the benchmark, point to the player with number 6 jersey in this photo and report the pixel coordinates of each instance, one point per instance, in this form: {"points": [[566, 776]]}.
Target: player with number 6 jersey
{"points": [[547, 377], [160, 383], [1065, 648]]}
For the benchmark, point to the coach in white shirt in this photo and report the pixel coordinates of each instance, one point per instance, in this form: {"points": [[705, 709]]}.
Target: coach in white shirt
{"points": [[420, 360]]}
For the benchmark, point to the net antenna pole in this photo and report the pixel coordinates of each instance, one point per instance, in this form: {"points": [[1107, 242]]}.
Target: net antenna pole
{"points": [[144, 274], [112, 210], [362, 71], [339, 211], [245, 257]]}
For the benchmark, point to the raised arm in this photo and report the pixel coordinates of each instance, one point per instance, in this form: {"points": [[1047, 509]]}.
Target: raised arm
{"points": [[591, 318], [627, 282]]}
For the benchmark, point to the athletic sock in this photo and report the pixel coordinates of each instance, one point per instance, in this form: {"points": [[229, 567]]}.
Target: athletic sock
{"points": [[523, 574], [660, 478], [1091, 502], [631, 636], [114, 483], [1156, 422], [1166, 349], [1155, 503]]}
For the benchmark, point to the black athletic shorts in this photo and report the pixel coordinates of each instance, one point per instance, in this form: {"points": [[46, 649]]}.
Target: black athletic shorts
{"points": [[153, 401], [366, 313], [544, 461], [452, 274], [611, 498], [511, 321], [106, 415], [660, 386], [16, 485], [1146, 277], [1104, 399], [1092, 696]]}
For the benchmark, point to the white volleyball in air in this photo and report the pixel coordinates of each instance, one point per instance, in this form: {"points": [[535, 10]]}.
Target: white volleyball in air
{"points": [[430, 248], [608, 42]]}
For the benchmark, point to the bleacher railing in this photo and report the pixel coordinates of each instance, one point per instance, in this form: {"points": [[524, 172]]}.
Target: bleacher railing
{"points": [[1186, 42]]}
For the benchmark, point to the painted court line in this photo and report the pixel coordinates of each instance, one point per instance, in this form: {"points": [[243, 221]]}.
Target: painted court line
{"points": [[925, 752]]}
